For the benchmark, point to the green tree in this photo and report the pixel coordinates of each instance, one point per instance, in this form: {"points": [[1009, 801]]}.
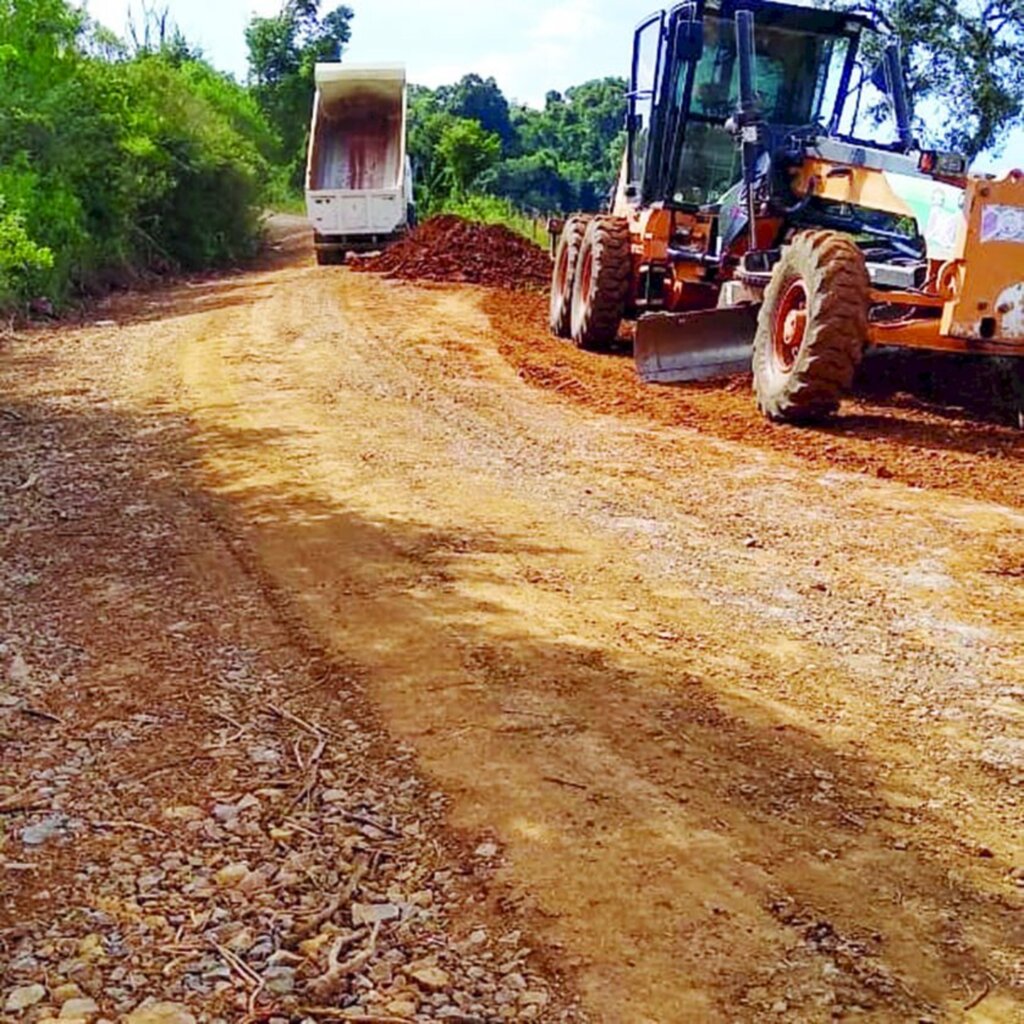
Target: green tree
{"points": [[585, 128], [283, 52], [112, 161], [467, 150], [965, 63], [478, 99], [535, 182]]}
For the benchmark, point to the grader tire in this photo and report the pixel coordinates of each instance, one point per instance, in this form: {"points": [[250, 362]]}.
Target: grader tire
{"points": [[601, 287], [812, 328], [563, 274]]}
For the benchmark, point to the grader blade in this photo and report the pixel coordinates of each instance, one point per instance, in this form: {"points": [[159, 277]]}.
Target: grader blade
{"points": [[675, 347]]}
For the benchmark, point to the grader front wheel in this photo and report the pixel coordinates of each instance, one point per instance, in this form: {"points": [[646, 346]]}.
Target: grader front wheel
{"points": [[812, 328]]}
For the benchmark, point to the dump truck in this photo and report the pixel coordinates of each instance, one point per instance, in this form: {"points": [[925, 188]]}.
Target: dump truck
{"points": [[359, 188], [758, 224]]}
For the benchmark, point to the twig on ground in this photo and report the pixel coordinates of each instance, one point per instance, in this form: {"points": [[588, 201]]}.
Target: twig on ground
{"points": [[184, 762], [979, 998], [564, 782], [123, 823], [39, 713], [314, 730], [326, 986], [239, 966], [299, 827], [529, 714], [365, 819]]}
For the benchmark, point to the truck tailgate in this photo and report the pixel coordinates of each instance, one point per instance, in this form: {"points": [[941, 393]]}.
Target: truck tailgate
{"points": [[341, 212]]}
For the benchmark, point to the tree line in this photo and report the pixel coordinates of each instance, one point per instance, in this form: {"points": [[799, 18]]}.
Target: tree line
{"points": [[125, 155]]}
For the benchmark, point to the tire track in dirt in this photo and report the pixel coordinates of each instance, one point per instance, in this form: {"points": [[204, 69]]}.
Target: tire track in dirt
{"points": [[896, 436]]}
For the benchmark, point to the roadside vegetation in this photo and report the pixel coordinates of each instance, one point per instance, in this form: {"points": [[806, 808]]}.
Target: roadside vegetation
{"points": [[120, 157]]}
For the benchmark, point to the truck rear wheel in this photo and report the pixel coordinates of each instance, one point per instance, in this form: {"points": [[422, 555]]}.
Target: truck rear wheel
{"points": [[601, 285], [563, 274], [329, 257], [812, 328]]}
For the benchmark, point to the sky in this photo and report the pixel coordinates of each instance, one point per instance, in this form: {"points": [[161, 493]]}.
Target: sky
{"points": [[530, 47]]}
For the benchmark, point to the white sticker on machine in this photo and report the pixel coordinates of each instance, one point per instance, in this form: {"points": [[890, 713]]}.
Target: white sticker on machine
{"points": [[1002, 223]]}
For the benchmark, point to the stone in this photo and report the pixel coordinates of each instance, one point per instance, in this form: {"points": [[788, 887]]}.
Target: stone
{"points": [[279, 980], [23, 997], [91, 947], [486, 851], [534, 998], [371, 913], [183, 812], [231, 875], [311, 947], [62, 993], [79, 1009], [160, 1013], [41, 831], [18, 671], [433, 979], [401, 1008]]}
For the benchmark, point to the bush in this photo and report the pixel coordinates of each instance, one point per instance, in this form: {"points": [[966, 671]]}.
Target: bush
{"points": [[111, 163], [21, 259]]}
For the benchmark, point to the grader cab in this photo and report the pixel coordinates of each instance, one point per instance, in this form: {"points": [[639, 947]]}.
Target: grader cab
{"points": [[754, 226]]}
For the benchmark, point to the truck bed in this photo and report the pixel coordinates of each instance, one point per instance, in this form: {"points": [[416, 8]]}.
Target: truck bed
{"points": [[357, 188]]}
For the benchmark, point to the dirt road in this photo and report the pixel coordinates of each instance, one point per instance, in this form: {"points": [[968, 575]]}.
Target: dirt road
{"points": [[741, 707]]}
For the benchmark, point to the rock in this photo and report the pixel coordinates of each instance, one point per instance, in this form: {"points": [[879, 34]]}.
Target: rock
{"points": [[62, 993], [401, 1008], [333, 796], [311, 947], [433, 979], [487, 850], [18, 671], [79, 1009], [39, 833], [23, 997], [231, 875], [184, 812], [91, 947], [279, 980], [534, 998], [160, 1013], [371, 913]]}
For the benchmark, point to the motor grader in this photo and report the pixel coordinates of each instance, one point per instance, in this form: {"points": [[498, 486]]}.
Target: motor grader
{"points": [[752, 226]]}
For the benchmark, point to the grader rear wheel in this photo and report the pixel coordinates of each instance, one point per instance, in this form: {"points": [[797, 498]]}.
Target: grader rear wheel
{"points": [[601, 286], [812, 328], [563, 274]]}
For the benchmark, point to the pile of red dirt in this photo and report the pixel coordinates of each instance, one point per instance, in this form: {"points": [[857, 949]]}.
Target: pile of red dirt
{"points": [[448, 248]]}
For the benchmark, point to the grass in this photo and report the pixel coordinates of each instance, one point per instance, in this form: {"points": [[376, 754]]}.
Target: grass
{"points": [[495, 210]]}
